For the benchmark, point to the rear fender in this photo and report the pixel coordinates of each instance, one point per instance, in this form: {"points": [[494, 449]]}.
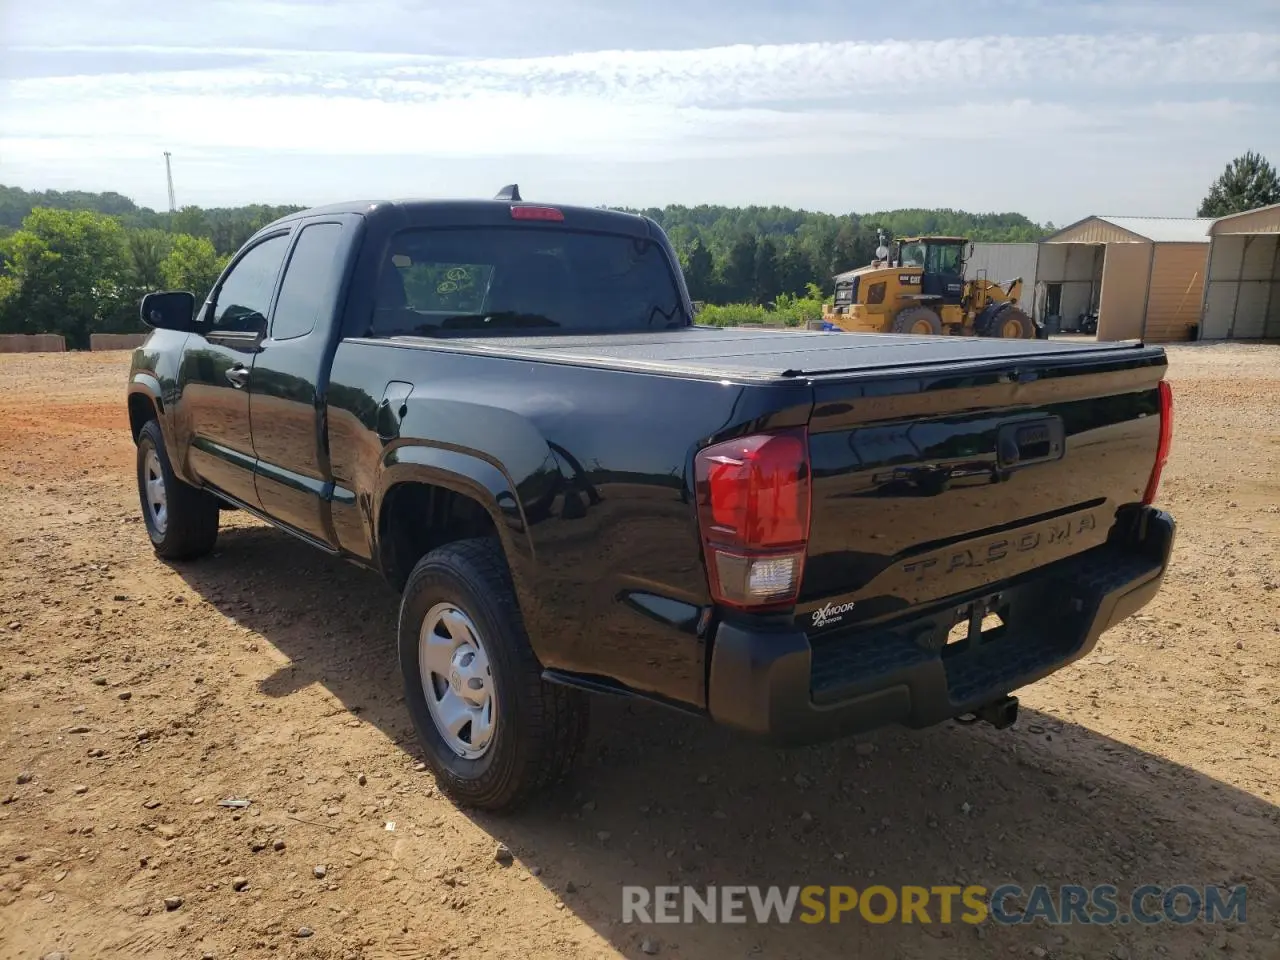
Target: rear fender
{"points": [[479, 480]]}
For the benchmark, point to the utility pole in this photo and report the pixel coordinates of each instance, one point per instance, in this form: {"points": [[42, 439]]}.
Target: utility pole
{"points": [[168, 172]]}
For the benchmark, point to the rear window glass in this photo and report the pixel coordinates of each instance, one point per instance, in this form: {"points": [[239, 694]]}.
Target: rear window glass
{"points": [[502, 279]]}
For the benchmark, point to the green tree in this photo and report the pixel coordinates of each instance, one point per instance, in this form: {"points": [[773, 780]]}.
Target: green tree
{"points": [[845, 252], [193, 264], [147, 251], [699, 270], [766, 287], [738, 272], [190, 220], [795, 270], [68, 273], [1248, 182]]}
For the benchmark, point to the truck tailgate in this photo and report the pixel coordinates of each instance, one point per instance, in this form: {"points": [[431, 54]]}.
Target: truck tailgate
{"points": [[933, 481]]}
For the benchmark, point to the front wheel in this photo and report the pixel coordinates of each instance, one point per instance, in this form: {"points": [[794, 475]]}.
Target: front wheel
{"points": [[182, 520], [1012, 324], [493, 730], [920, 321]]}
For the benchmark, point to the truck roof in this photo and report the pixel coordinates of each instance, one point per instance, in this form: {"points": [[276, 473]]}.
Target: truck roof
{"points": [[459, 213]]}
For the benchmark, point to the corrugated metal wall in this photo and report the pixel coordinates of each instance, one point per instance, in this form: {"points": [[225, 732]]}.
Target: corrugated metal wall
{"points": [[1262, 220], [1004, 262], [1243, 300], [1094, 230], [1124, 291], [1177, 288]]}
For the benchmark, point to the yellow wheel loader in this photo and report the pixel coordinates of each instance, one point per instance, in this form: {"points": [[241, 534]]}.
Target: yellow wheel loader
{"points": [[917, 286]]}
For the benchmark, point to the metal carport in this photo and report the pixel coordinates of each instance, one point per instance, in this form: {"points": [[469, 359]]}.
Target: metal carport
{"points": [[1143, 275], [1242, 297]]}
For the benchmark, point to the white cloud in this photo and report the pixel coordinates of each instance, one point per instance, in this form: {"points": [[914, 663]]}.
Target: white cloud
{"points": [[613, 103], [1004, 111], [722, 76]]}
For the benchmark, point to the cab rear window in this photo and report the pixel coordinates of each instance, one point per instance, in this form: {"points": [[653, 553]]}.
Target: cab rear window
{"points": [[499, 279]]}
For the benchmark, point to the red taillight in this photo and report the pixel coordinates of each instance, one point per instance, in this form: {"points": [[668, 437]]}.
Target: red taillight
{"points": [[525, 212], [753, 511], [1166, 440]]}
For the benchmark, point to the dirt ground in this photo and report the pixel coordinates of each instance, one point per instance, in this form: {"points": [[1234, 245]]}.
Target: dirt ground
{"points": [[134, 696]]}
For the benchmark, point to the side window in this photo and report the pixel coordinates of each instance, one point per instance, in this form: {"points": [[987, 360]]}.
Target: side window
{"points": [[949, 259], [308, 281], [245, 295]]}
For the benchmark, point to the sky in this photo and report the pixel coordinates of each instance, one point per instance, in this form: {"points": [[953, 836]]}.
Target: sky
{"points": [[1053, 108]]}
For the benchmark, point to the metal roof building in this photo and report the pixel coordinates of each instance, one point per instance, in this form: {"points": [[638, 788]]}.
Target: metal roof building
{"points": [[1242, 298], [1003, 262], [1143, 277]]}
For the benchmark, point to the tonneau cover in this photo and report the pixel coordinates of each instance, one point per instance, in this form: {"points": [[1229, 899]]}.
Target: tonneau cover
{"points": [[767, 354]]}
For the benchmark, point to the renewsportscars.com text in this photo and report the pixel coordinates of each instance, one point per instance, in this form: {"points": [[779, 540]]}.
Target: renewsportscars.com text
{"points": [[1007, 904]]}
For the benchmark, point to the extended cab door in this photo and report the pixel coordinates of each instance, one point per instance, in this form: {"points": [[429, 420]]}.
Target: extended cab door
{"points": [[217, 366], [290, 373]]}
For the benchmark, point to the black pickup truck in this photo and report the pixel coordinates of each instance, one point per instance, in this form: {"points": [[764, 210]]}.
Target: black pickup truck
{"points": [[508, 410]]}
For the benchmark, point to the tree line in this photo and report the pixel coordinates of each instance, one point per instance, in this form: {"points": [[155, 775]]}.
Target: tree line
{"points": [[76, 263], [78, 272], [753, 255], [227, 228]]}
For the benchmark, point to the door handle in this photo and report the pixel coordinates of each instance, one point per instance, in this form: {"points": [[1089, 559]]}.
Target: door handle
{"points": [[238, 375], [1021, 444]]}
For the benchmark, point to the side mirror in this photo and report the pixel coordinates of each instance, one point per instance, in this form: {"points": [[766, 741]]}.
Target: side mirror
{"points": [[170, 310]]}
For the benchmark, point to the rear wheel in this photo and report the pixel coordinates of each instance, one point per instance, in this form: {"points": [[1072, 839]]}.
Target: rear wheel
{"points": [[493, 730], [917, 320], [182, 520], [1012, 324]]}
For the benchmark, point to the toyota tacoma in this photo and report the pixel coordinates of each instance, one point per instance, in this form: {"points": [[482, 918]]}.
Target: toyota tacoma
{"points": [[508, 410]]}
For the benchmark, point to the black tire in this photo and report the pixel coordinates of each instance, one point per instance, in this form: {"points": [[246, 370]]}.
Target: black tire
{"points": [[539, 729], [915, 320], [188, 527], [1012, 323]]}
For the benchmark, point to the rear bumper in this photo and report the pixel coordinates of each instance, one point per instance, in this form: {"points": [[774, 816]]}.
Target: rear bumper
{"points": [[777, 685]]}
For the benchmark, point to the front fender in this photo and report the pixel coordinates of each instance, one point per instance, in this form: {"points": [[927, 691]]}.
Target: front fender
{"points": [[147, 384], [475, 478], [143, 384], [153, 374]]}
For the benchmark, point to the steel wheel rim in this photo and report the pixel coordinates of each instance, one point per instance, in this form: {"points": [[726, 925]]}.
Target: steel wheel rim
{"points": [[154, 496], [1012, 329], [457, 681], [922, 327]]}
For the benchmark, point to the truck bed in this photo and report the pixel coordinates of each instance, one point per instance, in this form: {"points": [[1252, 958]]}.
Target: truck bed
{"points": [[769, 355]]}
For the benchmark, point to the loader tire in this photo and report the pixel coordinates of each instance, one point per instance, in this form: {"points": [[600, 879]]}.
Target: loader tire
{"points": [[917, 320], [1012, 324]]}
